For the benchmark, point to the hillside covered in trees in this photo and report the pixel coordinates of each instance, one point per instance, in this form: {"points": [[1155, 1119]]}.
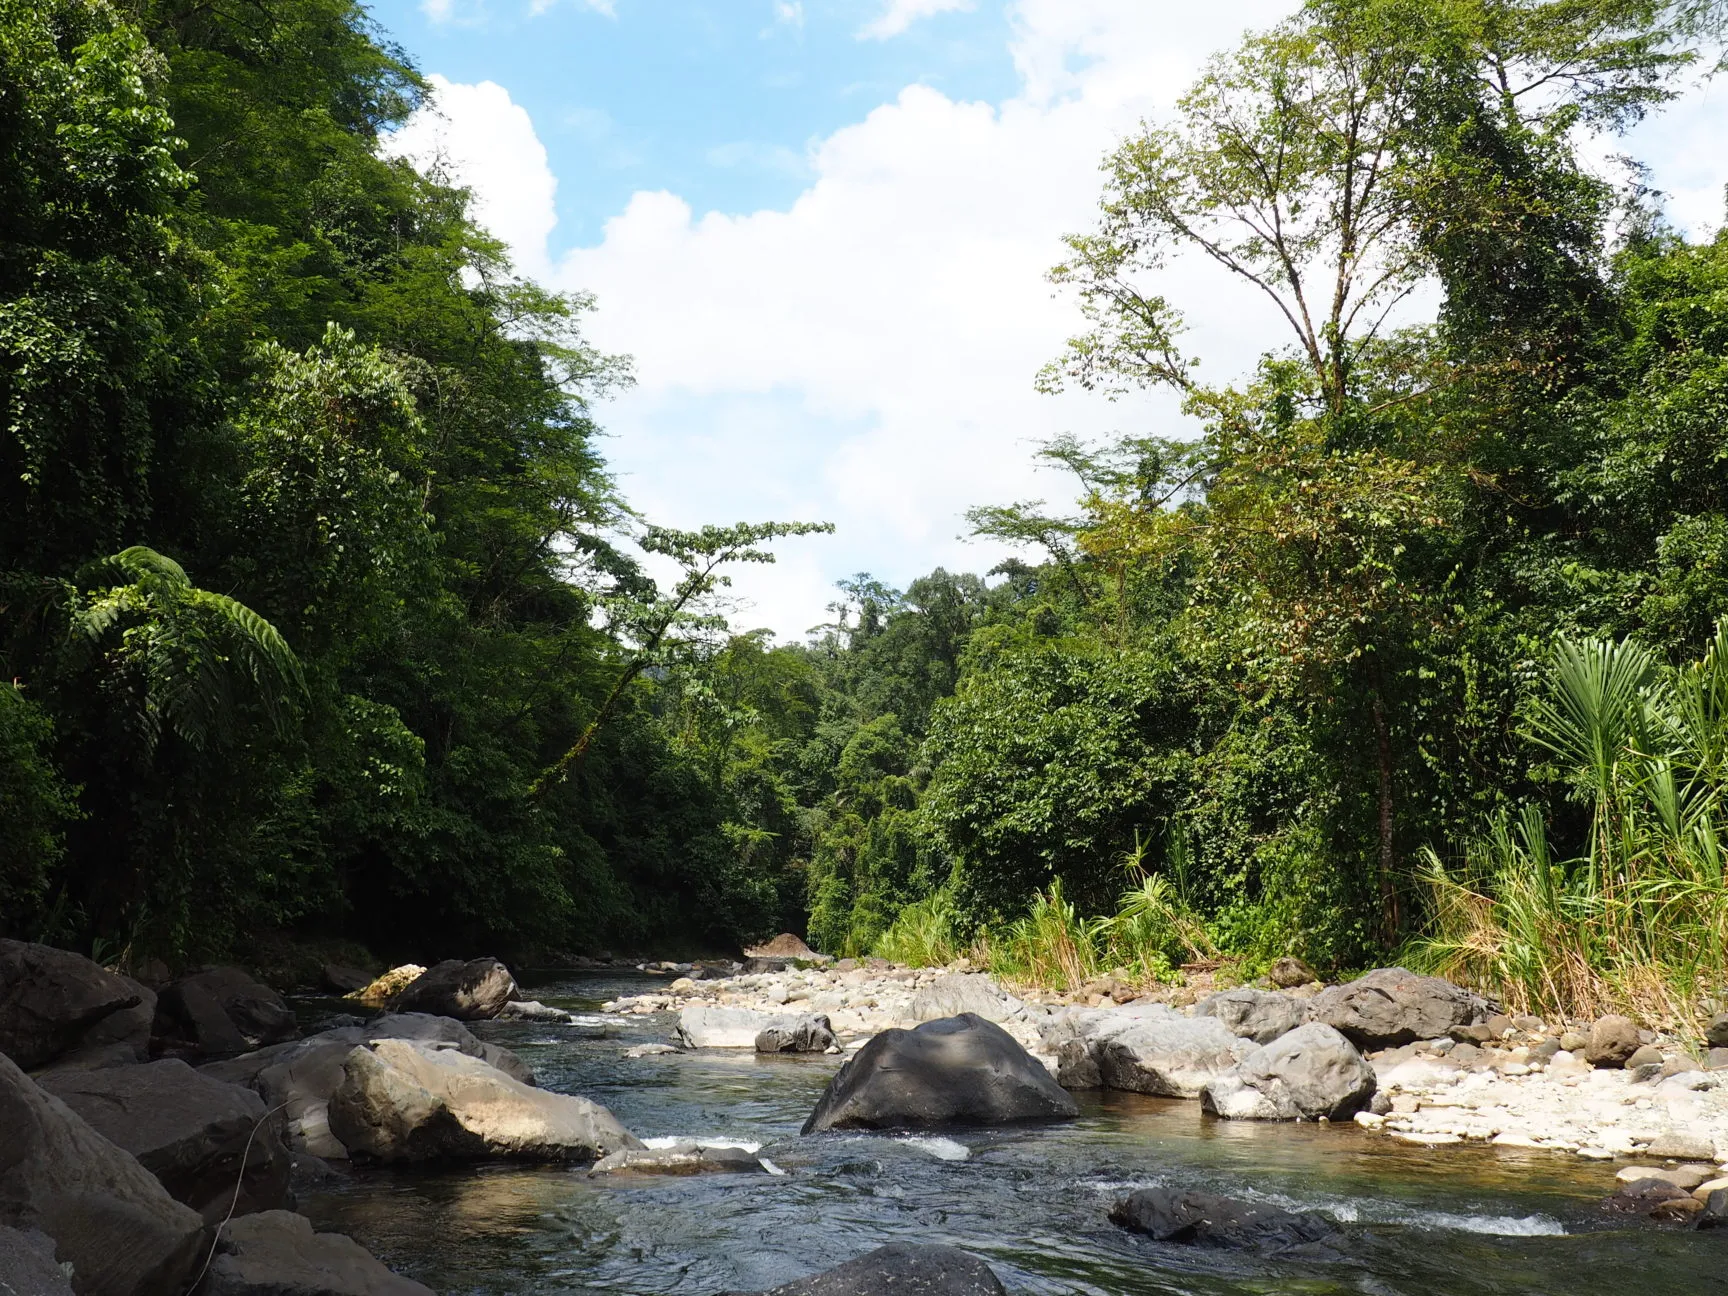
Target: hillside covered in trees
{"points": [[320, 616]]}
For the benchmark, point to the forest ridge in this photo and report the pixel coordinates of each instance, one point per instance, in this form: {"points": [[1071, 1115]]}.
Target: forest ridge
{"points": [[322, 616]]}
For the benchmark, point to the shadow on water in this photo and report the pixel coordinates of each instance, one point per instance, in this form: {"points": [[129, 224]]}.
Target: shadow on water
{"points": [[1033, 1201]]}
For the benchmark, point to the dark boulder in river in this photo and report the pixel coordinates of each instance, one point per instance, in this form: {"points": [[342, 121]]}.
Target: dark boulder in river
{"points": [[50, 998], [902, 1269], [955, 1071], [276, 1253], [220, 1012], [1205, 1219], [473, 991]]}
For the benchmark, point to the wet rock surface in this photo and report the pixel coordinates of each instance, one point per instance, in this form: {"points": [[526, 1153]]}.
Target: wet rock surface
{"points": [[902, 1269], [472, 990], [277, 1253], [1206, 1219]]}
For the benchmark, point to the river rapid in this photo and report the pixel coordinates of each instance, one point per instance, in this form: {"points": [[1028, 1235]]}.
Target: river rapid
{"points": [[1452, 1221]]}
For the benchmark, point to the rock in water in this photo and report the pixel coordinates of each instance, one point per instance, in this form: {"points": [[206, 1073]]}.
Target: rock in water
{"points": [[49, 999], [401, 1100], [339, 978], [533, 1010], [811, 1034], [1259, 1015], [687, 1156], [1392, 1006], [382, 990], [223, 1011], [187, 1129], [473, 991], [276, 1253], [703, 1026], [901, 1269], [1166, 1055], [954, 993], [1203, 1219], [1305, 1074], [28, 1267], [957, 1071], [1613, 1039], [108, 1216]]}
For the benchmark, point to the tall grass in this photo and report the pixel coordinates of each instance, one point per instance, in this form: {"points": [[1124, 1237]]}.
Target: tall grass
{"points": [[1639, 918]]}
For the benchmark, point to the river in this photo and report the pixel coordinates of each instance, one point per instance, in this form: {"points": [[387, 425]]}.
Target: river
{"points": [[1032, 1201]]}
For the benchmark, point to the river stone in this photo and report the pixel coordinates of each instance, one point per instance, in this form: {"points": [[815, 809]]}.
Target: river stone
{"points": [[1682, 1145], [1392, 1006], [1205, 1219], [956, 1071], [1072, 1034], [339, 978], [954, 993], [189, 1130], [383, 989], [901, 1269], [276, 1253], [1289, 972], [1644, 1197], [785, 945], [476, 990], [223, 1011], [1304, 1074], [402, 1100], [687, 1156], [706, 1026], [50, 999], [1716, 1031], [28, 1267], [1172, 1057], [108, 1216], [1259, 1015], [533, 1010], [809, 1034], [1613, 1039]]}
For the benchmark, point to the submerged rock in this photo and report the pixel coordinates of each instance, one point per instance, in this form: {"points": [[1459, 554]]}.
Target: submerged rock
{"points": [[1205, 1219], [51, 998], [401, 1100], [901, 1269], [1392, 1006], [276, 1253], [476, 990], [1259, 1015], [687, 1156], [810, 1034], [108, 1216], [189, 1130], [1307, 1073], [957, 1071]]}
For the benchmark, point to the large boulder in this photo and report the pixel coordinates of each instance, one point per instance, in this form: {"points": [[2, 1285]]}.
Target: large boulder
{"points": [[1070, 1034], [809, 1034], [1150, 1049], [473, 991], [51, 998], [1304, 1074], [198, 1135], [120, 1037], [109, 1218], [901, 1269], [401, 1100], [276, 1253], [1392, 1006], [958, 1071], [382, 990], [301, 1077], [28, 1267], [707, 1026], [222, 1011], [1259, 1015], [686, 1156], [1205, 1219], [954, 993]]}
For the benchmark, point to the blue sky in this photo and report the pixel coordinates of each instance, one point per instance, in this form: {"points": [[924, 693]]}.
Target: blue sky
{"points": [[821, 230]]}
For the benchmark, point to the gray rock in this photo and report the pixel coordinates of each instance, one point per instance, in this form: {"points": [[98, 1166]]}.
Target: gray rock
{"points": [[276, 1253], [1307, 1073], [901, 1269], [957, 1071], [402, 1100], [1645, 1055], [1682, 1145], [1613, 1039], [687, 1156], [954, 993], [50, 999], [473, 991], [809, 1034], [1392, 1006], [341, 979], [108, 1216], [1259, 1015], [1289, 972], [1716, 1059], [223, 1011], [649, 1050], [1174, 1057], [28, 1267], [1716, 1031], [706, 1026], [1072, 1034], [189, 1130], [533, 1010], [1205, 1219]]}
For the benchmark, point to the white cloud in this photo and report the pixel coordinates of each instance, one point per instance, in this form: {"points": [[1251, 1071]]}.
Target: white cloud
{"points": [[866, 355], [605, 8], [790, 12], [901, 14]]}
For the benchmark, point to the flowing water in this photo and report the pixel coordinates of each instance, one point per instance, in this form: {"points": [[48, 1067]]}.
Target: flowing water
{"points": [[1457, 1221]]}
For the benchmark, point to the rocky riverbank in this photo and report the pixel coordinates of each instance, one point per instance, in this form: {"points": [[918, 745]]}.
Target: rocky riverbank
{"points": [[1447, 1067]]}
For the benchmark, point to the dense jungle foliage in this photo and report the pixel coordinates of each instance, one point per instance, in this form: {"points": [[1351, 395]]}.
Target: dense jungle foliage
{"points": [[1285, 686]]}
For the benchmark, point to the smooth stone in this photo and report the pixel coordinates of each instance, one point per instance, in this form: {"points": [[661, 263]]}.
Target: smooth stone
{"points": [[1259, 1015], [1613, 1039], [687, 1156], [901, 1269], [51, 998], [1682, 1145], [708, 1026], [1205, 1219], [1304, 1074], [1289, 972], [1392, 1006], [471, 990], [808, 1034], [223, 1011], [532, 1010], [276, 1253], [952, 994]]}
